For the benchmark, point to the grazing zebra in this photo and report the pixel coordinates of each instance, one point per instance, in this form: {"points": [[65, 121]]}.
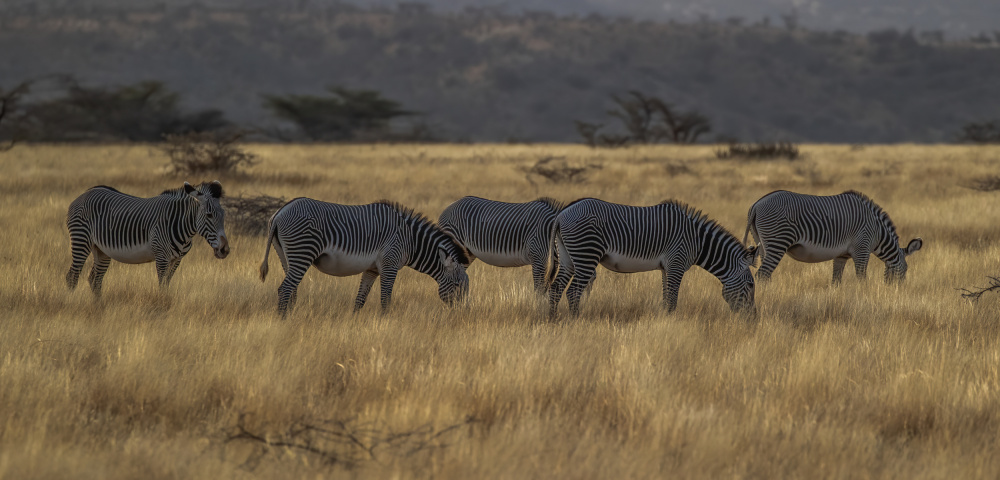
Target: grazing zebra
{"points": [[816, 229], [375, 240], [116, 226], [670, 237], [504, 234]]}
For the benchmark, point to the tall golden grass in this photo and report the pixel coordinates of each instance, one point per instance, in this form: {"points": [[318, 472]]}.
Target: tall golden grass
{"points": [[203, 380]]}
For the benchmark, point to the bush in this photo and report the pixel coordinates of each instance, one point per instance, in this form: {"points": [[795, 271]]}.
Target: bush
{"points": [[558, 170], [249, 215], [207, 152], [986, 132], [759, 151], [989, 183]]}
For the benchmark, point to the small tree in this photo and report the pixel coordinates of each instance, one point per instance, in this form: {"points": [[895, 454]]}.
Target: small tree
{"points": [[647, 119], [345, 115], [11, 117], [986, 132]]}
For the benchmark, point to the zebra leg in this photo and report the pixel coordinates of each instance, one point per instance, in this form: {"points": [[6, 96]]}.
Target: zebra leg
{"points": [[101, 263], [386, 280], [772, 255], [538, 274], [172, 265], [367, 280], [861, 266], [838, 268], [671, 287], [582, 279], [557, 288], [80, 249]]}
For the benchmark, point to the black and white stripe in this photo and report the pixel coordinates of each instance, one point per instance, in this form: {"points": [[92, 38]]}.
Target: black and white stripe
{"points": [[814, 228], [670, 237], [115, 226], [504, 234], [375, 240]]}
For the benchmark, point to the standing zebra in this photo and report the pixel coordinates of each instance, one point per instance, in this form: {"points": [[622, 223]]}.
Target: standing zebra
{"points": [[816, 229], [670, 237], [504, 234], [116, 226], [375, 240]]}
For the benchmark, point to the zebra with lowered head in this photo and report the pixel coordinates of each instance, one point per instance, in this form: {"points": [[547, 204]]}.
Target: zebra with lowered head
{"points": [[670, 237], [115, 226], [375, 240], [504, 234], [813, 229]]}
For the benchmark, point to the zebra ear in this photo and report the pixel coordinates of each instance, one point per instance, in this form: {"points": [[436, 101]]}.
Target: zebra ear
{"points": [[915, 244], [751, 256], [215, 188], [188, 189], [445, 260]]}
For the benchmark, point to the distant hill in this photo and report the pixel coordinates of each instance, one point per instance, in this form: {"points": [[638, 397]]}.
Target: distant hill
{"points": [[957, 18], [488, 75]]}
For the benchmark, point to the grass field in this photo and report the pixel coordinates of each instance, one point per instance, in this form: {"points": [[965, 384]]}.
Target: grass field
{"points": [[203, 380]]}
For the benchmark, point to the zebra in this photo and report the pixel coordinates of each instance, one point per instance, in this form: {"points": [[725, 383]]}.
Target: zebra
{"points": [[670, 237], [113, 225], [375, 240], [815, 229], [504, 234]]}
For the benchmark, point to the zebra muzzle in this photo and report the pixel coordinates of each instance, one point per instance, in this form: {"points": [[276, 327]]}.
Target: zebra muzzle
{"points": [[223, 250]]}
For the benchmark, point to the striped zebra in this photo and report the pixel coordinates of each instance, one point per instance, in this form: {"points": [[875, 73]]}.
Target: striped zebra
{"points": [[375, 240], [112, 225], [817, 229], [670, 237], [504, 234]]}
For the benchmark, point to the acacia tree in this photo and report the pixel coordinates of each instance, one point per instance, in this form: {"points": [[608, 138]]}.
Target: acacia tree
{"points": [[145, 111], [344, 115], [11, 116], [647, 119]]}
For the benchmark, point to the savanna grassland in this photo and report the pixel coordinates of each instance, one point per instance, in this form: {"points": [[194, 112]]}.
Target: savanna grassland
{"points": [[203, 380]]}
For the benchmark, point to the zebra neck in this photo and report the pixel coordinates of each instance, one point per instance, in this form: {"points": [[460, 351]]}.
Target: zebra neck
{"points": [[715, 250], [423, 250]]}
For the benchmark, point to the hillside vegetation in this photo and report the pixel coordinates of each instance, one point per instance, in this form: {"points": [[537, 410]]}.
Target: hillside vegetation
{"points": [[203, 380], [481, 74]]}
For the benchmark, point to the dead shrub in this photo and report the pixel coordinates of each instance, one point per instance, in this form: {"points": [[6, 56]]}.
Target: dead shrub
{"points": [[759, 151], [249, 215], [989, 183], [558, 170], [207, 152], [347, 443]]}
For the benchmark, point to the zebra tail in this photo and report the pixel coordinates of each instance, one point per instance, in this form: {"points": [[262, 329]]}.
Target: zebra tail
{"points": [[553, 263], [752, 224], [751, 218], [267, 250]]}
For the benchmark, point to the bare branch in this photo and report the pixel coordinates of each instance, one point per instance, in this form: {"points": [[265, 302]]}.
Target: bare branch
{"points": [[975, 293]]}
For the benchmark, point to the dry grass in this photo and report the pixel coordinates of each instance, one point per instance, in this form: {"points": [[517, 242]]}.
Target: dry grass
{"points": [[859, 381]]}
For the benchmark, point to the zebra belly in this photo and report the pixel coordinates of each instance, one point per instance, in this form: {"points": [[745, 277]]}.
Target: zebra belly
{"points": [[623, 264], [498, 259], [816, 253], [138, 254], [342, 264]]}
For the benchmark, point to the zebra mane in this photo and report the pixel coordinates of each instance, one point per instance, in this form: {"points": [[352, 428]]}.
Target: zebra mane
{"points": [[552, 203], [422, 220], [113, 189], [878, 208], [702, 219], [200, 187]]}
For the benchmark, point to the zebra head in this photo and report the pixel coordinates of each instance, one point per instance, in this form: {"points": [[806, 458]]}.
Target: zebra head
{"points": [[211, 221], [738, 284], [895, 262], [453, 282]]}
